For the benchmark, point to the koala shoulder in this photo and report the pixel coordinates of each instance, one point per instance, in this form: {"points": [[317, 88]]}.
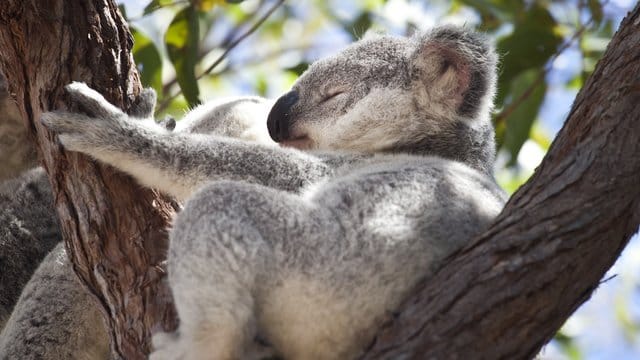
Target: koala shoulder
{"points": [[243, 118], [29, 231], [55, 317]]}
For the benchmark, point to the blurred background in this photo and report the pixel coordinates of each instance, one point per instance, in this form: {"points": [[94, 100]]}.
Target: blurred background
{"points": [[192, 51]]}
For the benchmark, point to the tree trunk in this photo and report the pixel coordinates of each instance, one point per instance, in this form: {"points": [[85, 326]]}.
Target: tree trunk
{"points": [[507, 293], [114, 230], [503, 296]]}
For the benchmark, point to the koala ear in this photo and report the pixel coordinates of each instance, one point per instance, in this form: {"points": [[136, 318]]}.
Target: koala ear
{"points": [[441, 69], [455, 66]]}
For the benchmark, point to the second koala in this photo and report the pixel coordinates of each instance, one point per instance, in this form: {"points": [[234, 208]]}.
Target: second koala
{"points": [[310, 250]]}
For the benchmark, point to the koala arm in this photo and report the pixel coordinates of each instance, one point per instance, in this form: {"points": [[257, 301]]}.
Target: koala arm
{"points": [[176, 163]]}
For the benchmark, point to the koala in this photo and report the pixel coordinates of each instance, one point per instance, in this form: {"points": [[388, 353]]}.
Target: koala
{"points": [[28, 231], [384, 170], [55, 318]]}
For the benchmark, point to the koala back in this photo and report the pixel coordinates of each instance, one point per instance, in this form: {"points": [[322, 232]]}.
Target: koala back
{"points": [[55, 317], [29, 229]]}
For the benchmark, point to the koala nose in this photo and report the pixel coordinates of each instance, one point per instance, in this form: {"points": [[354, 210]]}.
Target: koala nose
{"points": [[279, 118]]}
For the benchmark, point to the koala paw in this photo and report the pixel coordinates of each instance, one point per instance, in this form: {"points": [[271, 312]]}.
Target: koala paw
{"points": [[76, 132], [97, 130], [92, 102]]}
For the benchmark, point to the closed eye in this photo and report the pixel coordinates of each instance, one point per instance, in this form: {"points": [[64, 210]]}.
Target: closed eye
{"points": [[331, 95]]}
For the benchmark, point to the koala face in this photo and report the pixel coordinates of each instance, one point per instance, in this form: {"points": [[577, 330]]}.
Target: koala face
{"points": [[384, 93]]}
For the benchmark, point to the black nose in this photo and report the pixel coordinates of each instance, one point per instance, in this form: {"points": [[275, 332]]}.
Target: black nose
{"points": [[279, 118]]}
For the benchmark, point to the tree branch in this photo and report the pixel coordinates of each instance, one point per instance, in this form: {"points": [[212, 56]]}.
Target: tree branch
{"points": [[510, 290]]}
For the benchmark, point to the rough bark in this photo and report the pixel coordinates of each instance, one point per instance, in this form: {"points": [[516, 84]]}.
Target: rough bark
{"points": [[114, 230], [503, 296], [506, 294]]}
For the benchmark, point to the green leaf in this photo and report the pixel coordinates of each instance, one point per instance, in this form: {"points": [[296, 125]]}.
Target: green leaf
{"points": [[520, 120], [596, 10], [298, 69], [182, 39], [494, 13], [359, 26], [155, 5], [206, 5], [148, 60], [568, 346], [532, 43]]}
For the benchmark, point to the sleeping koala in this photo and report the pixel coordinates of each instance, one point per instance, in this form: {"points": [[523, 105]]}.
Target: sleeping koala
{"points": [[54, 317], [311, 250]]}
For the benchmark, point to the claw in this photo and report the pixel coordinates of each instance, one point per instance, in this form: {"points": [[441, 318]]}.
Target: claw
{"points": [[91, 101]]}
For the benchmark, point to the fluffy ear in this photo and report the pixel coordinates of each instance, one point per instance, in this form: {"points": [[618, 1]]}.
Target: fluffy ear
{"points": [[442, 71], [455, 66]]}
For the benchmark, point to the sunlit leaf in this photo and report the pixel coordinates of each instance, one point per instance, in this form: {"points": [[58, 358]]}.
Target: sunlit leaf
{"points": [[207, 5], [576, 82], [148, 60], [540, 137], [595, 6], [182, 40], [298, 69], [359, 26], [155, 5], [533, 41], [521, 118], [261, 85], [568, 346], [495, 13]]}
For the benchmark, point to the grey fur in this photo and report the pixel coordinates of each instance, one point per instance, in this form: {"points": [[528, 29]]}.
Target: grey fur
{"points": [[312, 250], [28, 224], [55, 318], [28, 229]]}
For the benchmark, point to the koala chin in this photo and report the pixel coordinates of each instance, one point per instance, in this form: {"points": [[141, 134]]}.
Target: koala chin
{"points": [[385, 170]]}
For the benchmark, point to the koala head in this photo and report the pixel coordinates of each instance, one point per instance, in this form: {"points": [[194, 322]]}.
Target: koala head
{"points": [[430, 94]]}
